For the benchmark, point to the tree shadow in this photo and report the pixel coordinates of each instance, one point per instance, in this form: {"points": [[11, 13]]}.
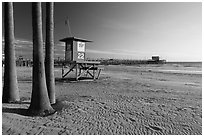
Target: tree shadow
{"points": [[25, 80], [58, 106], [27, 112], [64, 80], [73, 80], [20, 111]]}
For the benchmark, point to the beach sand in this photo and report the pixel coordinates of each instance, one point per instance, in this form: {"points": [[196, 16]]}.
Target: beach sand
{"points": [[124, 100]]}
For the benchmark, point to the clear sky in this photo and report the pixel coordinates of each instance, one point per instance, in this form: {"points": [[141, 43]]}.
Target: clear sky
{"points": [[121, 30]]}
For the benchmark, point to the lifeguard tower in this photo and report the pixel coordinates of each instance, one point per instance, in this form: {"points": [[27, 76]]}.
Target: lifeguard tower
{"points": [[75, 57]]}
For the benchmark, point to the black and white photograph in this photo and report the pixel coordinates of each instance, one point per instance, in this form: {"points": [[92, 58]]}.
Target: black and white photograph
{"points": [[101, 68]]}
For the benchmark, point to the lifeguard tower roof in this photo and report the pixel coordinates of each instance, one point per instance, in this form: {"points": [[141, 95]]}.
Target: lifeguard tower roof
{"points": [[74, 39]]}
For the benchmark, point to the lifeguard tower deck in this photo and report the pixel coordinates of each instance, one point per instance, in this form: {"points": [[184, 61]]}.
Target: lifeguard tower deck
{"points": [[75, 53]]}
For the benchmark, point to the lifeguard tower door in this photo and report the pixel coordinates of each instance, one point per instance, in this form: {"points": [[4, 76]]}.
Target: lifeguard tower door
{"points": [[69, 51]]}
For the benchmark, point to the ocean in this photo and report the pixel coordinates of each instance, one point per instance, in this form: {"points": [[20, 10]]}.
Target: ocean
{"points": [[178, 67]]}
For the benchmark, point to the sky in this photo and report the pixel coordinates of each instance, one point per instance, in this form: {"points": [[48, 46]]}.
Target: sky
{"points": [[136, 30]]}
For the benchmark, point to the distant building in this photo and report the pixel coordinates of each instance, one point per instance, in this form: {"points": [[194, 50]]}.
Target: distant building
{"points": [[155, 58]]}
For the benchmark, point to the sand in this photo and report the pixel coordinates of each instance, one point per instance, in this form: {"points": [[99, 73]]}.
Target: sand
{"points": [[125, 100]]}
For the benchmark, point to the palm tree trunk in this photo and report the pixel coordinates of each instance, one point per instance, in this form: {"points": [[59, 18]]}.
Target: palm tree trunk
{"points": [[49, 56], [10, 89], [40, 104]]}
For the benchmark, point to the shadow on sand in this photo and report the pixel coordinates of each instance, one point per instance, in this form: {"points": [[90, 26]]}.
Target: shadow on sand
{"points": [[72, 80], [27, 112], [20, 111], [25, 80]]}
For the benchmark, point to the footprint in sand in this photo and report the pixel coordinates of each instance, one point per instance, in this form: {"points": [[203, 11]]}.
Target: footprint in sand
{"points": [[156, 128], [132, 119]]}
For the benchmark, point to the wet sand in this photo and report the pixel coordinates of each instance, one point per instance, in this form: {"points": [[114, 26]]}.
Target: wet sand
{"points": [[125, 100]]}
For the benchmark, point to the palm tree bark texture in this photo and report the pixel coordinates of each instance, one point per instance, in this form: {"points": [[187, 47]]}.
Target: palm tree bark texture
{"points": [[10, 88], [49, 51], [40, 104]]}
